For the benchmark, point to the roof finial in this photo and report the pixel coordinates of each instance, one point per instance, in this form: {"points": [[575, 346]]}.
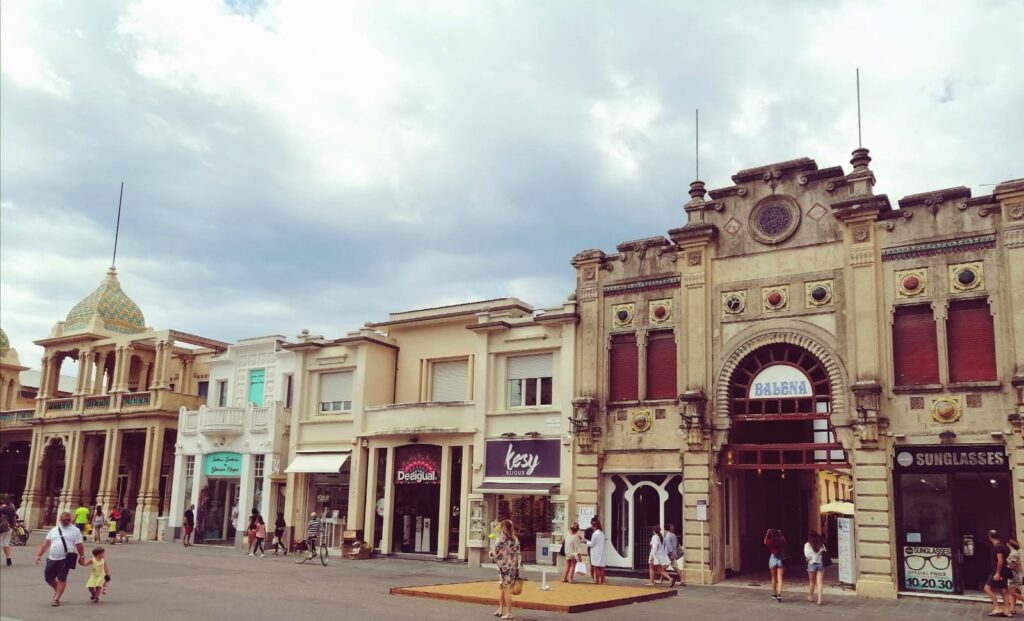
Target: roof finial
{"points": [[697, 191], [860, 143], [117, 228], [860, 159]]}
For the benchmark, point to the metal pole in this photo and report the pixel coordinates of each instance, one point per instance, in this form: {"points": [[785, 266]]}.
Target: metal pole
{"points": [[117, 228]]}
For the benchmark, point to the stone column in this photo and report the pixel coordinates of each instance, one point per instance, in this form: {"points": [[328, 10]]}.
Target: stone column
{"points": [[44, 377], [144, 368], [176, 513], [100, 364], [115, 382], [370, 520], [72, 472], [357, 484], [386, 543], [31, 499], [445, 510], [149, 484], [83, 373], [467, 486], [185, 383], [245, 498], [86, 492]]}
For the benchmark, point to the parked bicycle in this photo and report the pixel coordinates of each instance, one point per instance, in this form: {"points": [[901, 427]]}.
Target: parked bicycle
{"points": [[310, 551]]}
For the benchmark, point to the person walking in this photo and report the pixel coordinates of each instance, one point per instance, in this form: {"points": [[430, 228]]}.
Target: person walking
{"points": [[8, 521], [81, 518], [125, 526], [115, 516], [657, 560], [999, 577], [63, 548], [776, 543], [100, 574], [672, 550], [99, 522], [1014, 585], [260, 534], [587, 534], [573, 545], [814, 549], [279, 526], [598, 555], [250, 535], [507, 555], [188, 525]]}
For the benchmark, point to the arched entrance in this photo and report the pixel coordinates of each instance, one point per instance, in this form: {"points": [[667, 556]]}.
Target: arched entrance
{"points": [[52, 477], [782, 460]]}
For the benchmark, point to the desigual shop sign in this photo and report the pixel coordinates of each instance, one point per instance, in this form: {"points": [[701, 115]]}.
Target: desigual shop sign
{"points": [[523, 459], [955, 458], [418, 466]]}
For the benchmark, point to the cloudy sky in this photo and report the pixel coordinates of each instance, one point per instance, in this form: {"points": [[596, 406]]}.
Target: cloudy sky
{"points": [[303, 164]]}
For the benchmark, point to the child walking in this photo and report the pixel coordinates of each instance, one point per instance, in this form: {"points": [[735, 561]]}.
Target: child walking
{"points": [[261, 535], [100, 575], [112, 528]]}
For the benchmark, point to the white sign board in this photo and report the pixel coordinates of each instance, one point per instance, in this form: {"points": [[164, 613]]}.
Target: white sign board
{"points": [[702, 510], [928, 569], [780, 380], [845, 557], [584, 515]]}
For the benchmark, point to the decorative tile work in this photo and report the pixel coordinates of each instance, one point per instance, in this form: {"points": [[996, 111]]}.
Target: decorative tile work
{"points": [[108, 302], [643, 285], [946, 410], [622, 315], [659, 311], [974, 401], [817, 212], [911, 283], [966, 276], [733, 226], [775, 298], [620, 416], [734, 302], [941, 247], [818, 293], [659, 414], [917, 403]]}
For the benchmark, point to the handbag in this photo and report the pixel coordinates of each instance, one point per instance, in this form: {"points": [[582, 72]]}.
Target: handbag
{"points": [[826, 558], [70, 558], [516, 587], [581, 568]]}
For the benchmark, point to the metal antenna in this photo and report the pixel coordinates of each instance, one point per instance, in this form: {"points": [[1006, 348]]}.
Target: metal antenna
{"points": [[696, 143], [117, 228], [860, 144]]}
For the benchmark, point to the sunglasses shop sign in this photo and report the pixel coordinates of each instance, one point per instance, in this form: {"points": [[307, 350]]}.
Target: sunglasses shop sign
{"points": [[927, 568]]}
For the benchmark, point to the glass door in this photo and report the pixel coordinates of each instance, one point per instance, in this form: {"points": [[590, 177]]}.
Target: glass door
{"points": [[925, 551]]}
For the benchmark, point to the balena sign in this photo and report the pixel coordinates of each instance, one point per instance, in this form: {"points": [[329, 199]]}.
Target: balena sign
{"points": [[780, 381]]}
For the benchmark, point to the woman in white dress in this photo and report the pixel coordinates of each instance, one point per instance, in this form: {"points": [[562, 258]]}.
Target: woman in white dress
{"points": [[596, 543], [658, 559]]}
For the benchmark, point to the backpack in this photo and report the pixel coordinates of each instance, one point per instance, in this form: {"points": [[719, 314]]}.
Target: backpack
{"points": [[5, 524]]}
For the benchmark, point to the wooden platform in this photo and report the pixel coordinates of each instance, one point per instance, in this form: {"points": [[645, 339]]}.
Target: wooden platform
{"points": [[562, 597]]}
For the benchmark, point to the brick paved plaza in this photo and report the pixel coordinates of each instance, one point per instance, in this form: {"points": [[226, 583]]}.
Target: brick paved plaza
{"points": [[156, 582]]}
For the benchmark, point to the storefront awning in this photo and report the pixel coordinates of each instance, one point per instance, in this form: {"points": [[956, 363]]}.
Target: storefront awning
{"points": [[317, 463], [840, 507], [525, 489]]}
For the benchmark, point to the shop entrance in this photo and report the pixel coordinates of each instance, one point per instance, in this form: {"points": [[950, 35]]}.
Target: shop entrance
{"points": [[947, 499], [218, 511], [638, 502], [780, 444], [417, 498]]}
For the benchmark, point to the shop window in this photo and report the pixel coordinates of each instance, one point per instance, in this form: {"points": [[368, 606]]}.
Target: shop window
{"points": [[624, 363], [971, 341], [915, 346], [336, 392], [257, 379], [222, 393], [529, 380], [661, 365], [449, 380]]}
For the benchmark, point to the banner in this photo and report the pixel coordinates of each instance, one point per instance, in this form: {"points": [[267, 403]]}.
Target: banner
{"points": [[845, 552], [928, 569], [223, 464]]}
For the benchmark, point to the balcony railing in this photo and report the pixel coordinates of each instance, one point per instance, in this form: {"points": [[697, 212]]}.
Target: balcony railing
{"points": [[13, 416], [162, 400], [136, 399], [92, 403], [231, 420], [60, 405]]}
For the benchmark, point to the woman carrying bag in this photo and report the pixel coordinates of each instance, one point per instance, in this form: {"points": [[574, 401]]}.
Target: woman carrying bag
{"points": [[508, 557], [573, 548]]}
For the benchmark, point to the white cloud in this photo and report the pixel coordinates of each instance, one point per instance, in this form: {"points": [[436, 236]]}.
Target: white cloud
{"points": [[20, 61]]}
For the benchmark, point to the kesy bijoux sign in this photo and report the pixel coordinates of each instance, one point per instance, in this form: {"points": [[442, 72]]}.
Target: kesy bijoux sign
{"points": [[780, 380], [523, 459]]}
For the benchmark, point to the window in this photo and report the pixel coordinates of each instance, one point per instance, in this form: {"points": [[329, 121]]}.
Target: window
{"points": [[450, 380], [624, 363], [222, 393], [203, 389], [336, 392], [915, 347], [971, 343], [289, 382], [257, 378], [529, 380], [661, 365]]}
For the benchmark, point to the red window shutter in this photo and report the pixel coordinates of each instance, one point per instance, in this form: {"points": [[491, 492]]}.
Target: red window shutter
{"points": [[915, 348], [661, 365], [971, 340], [625, 363]]}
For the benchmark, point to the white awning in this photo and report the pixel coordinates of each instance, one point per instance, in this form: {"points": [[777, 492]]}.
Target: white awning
{"points": [[317, 463]]}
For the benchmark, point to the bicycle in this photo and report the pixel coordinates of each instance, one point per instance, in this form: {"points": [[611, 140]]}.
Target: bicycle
{"points": [[309, 551], [19, 534]]}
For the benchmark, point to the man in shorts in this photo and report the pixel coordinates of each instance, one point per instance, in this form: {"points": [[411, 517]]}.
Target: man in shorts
{"points": [[82, 517], [998, 578], [672, 549], [63, 539], [8, 514]]}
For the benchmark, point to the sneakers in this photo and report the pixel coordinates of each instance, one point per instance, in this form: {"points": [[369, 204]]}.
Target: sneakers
{"points": [[262, 555], [251, 554]]}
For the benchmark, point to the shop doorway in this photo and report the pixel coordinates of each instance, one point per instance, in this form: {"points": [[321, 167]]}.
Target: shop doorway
{"points": [[219, 505], [638, 502], [780, 441], [417, 498]]}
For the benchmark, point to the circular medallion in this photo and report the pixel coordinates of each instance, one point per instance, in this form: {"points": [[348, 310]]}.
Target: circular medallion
{"points": [[966, 277], [905, 459], [946, 410], [819, 293], [622, 315], [774, 219], [641, 421], [774, 298], [660, 311], [911, 283], [734, 304]]}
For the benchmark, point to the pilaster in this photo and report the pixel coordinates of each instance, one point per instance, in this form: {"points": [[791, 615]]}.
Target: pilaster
{"points": [[444, 513]]}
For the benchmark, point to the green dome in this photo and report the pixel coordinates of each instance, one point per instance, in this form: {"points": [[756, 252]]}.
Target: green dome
{"points": [[110, 304], [5, 343]]}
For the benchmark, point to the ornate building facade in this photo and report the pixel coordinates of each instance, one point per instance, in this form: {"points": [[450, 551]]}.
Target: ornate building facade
{"points": [[110, 442], [801, 340]]}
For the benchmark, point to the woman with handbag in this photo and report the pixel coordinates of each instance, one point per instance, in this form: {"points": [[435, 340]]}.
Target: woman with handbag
{"points": [[508, 557], [814, 552], [60, 559]]}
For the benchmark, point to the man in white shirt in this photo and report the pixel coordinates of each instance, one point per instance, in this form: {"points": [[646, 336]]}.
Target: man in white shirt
{"points": [[62, 540]]}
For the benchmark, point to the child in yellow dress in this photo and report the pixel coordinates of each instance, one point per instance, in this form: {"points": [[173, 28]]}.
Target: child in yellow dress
{"points": [[100, 574]]}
